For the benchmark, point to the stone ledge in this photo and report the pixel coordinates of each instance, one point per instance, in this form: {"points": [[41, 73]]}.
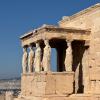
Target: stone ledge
{"points": [[48, 73], [72, 97]]}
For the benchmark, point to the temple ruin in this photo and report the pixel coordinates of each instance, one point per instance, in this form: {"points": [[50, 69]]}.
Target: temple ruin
{"points": [[76, 40]]}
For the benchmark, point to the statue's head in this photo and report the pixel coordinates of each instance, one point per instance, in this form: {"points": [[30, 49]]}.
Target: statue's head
{"points": [[46, 42], [31, 47], [24, 49], [37, 45]]}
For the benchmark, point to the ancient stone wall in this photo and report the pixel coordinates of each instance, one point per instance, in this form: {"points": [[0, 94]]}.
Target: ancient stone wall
{"points": [[39, 84], [89, 20]]}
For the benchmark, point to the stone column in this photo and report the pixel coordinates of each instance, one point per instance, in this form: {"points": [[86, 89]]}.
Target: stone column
{"points": [[86, 76], [68, 58], [24, 60], [37, 60], [31, 59], [46, 56]]}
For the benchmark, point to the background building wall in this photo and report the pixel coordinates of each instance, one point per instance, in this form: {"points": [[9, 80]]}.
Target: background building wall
{"points": [[89, 20]]}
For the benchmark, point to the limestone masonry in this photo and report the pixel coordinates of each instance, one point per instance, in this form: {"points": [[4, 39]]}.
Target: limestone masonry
{"points": [[77, 42]]}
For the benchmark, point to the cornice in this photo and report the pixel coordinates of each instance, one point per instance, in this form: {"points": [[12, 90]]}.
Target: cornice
{"points": [[69, 18]]}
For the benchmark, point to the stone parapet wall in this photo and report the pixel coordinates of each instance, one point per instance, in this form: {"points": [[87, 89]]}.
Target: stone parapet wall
{"points": [[40, 84]]}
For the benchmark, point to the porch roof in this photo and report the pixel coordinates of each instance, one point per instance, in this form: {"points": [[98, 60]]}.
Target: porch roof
{"points": [[54, 32]]}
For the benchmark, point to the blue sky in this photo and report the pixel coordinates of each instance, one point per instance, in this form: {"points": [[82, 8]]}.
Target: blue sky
{"points": [[20, 16]]}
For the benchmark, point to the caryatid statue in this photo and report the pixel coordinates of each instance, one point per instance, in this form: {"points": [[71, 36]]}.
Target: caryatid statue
{"points": [[68, 58], [24, 60], [46, 56], [37, 60], [31, 59]]}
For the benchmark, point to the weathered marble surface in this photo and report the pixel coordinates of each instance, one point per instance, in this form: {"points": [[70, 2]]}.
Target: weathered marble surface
{"points": [[37, 60], [47, 56], [24, 60], [68, 58], [31, 60]]}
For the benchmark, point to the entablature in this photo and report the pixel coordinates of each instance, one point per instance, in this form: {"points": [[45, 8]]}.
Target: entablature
{"points": [[53, 32]]}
